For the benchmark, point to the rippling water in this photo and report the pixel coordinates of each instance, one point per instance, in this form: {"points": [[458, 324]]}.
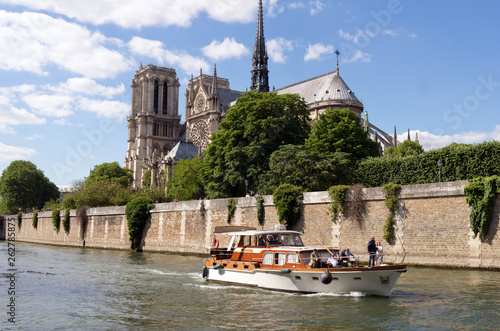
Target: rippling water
{"points": [[59, 288]]}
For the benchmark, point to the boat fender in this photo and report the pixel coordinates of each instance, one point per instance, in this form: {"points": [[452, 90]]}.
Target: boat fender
{"points": [[218, 266], [286, 271], [216, 243], [326, 277], [205, 272]]}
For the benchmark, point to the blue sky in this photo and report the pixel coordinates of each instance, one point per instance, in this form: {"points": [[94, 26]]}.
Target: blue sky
{"points": [[66, 66]]}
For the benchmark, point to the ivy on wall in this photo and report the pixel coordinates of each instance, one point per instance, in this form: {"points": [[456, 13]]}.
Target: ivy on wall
{"points": [[19, 219], [56, 219], [337, 194], [260, 209], [391, 192], [481, 194], [231, 207], [35, 219], [66, 221], [137, 212], [288, 198]]}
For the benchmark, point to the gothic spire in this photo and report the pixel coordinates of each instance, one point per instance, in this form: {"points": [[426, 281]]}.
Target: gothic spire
{"points": [[260, 73], [214, 82]]}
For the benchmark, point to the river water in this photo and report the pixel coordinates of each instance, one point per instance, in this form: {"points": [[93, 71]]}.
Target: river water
{"points": [[60, 288]]}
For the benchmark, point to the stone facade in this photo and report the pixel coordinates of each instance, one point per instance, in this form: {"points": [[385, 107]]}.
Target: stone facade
{"points": [[432, 226]]}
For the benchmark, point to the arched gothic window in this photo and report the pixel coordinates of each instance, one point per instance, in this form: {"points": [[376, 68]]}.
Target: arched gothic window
{"points": [[165, 98], [156, 90]]}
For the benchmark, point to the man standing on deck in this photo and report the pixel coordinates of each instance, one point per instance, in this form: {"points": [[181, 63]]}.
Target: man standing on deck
{"points": [[372, 250]]}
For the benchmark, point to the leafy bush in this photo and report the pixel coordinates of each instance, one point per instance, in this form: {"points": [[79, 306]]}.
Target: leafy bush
{"points": [[337, 195], [56, 219], [481, 194], [35, 219], [137, 212], [391, 192], [66, 221], [460, 162], [19, 219], [288, 198]]}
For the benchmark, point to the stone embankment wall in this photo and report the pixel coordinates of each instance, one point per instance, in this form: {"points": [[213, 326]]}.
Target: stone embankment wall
{"points": [[432, 226]]}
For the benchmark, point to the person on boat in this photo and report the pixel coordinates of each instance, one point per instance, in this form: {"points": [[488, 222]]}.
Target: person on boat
{"points": [[262, 241], [348, 254], [333, 261], [343, 257], [372, 250], [380, 253], [315, 261]]}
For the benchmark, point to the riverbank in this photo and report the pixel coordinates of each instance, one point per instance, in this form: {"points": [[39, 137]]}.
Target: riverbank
{"points": [[431, 226]]}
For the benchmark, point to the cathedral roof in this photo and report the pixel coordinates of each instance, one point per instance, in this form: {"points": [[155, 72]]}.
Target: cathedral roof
{"points": [[329, 86], [183, 150], [228, 96]]}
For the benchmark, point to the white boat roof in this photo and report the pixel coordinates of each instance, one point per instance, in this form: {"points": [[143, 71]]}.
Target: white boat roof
{"points": [[258, 232]]}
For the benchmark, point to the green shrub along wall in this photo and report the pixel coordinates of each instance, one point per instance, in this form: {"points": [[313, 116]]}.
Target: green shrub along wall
{"points": [[460, 162]]}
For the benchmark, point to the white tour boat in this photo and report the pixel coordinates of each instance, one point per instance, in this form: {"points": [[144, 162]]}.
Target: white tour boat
{"points": [[278, 260]]}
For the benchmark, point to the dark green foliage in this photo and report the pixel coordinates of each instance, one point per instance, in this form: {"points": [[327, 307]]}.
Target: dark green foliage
{"points": [[56, 219], [187, 182], [24, 187], [260, 209], [252, 130], [66, 221], [309, 169], [146, 180], [35, 219], [337, 195], [111, 172], [288, 198], [481, 194], [460, 162], [98, 193], [391, 192], [19, 219], [137, 212], [339, 131], [231, 207], [406, 148]]}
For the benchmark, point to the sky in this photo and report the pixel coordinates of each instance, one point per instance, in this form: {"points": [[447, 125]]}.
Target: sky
{"points": [[66, 66]]}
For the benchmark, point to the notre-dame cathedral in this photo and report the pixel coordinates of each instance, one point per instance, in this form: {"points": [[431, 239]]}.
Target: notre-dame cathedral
{"points": [[156, 138]]}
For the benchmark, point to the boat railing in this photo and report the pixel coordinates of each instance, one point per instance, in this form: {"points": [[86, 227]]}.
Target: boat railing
{"points": [[221, 253]]}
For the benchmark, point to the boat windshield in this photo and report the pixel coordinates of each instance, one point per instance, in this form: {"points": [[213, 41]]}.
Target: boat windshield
{"points": [[285, 239]]}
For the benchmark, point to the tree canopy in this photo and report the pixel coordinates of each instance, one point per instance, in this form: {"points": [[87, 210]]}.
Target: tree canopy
{"points": [[311, 170], [339, 130], [406, 148], [111, 172], [254, 128], [186, 182], [23, 186]]}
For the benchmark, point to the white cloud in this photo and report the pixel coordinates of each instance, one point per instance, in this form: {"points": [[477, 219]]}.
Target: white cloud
{"points": [[227, 49], [62, 122], [316, 6], [433, 141], [354, 38], [137, 14], [56, 105], [156, 49], [295, 5], [389, 32], [412, 35], [11, 153], [314, 52], [105, 109], [34, 137], [274, 8], [12, 116], [359, 56], [89, 87], [32, 41], [277, 47]]}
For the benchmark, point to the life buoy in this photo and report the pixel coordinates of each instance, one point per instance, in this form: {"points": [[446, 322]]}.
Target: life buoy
{"points": [[216, 243]]}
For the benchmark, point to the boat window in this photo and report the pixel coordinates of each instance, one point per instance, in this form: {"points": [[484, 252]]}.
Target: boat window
{"points": [[268, 258], [279, 258], [298, 240], [293, 258], [245, 241], [287, 240], [273, 239]]}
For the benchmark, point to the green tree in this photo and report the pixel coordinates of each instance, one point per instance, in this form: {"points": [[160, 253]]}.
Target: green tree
{"points": [[406, 148], [311, 170], [111, 172], [339, 130], [23, 186], [254, 128], [186, 182]]}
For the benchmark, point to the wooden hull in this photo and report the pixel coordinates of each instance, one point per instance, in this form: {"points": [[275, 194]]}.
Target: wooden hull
{"points": [[368, 281]]}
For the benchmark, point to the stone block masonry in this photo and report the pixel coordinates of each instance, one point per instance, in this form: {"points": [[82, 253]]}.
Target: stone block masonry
{"points": [[431, 224]]}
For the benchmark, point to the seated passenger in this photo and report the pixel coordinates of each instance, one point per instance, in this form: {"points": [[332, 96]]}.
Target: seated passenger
{"points": [[315, 260], [262, 242], [333, 261]]}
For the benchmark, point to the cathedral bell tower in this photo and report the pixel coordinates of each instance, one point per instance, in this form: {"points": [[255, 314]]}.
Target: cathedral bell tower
{"points": [[154, 124], [260, 73]]}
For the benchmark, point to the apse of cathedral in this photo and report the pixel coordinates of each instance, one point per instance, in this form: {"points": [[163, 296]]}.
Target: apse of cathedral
{"points": [[156, 139]]}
